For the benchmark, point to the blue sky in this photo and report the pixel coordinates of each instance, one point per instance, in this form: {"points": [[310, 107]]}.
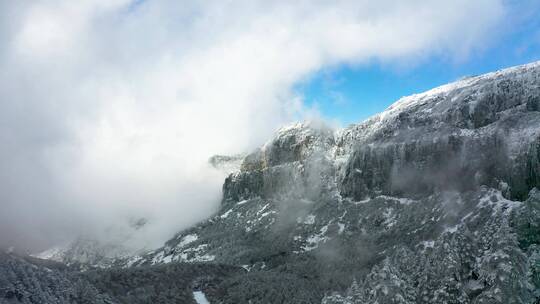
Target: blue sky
{"points": [[350, 94]]}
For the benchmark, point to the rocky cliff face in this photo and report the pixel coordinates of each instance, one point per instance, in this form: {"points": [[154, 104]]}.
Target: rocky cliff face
{"points": [[434, 200], [479, 131], [428, 188]]}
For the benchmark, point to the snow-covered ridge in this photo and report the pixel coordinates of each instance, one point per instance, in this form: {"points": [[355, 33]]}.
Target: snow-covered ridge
{"points": [[467, 106], [523, 71], [449, 106], [101, 252], [86, 252]]}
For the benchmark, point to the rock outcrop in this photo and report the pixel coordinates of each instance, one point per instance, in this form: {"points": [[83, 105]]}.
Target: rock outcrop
{"points": [[431, 188], [435, 200]]}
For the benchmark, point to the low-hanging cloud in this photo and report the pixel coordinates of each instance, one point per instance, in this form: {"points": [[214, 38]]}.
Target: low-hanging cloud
{"points": [[110, 109]]}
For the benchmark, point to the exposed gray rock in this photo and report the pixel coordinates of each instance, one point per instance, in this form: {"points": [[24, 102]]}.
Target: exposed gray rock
{"points": [[429, 188], [434, 200]]}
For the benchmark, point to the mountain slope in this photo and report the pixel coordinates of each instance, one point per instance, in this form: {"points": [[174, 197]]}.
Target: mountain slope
{"points": [[435, 173], [34, 281], [434, 200]]}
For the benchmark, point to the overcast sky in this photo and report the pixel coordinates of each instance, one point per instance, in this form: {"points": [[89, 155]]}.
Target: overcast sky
{"points": [[109, 109]]}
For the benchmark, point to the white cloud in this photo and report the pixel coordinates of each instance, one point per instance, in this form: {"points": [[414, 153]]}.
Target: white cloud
{"points": [[111, 108]]}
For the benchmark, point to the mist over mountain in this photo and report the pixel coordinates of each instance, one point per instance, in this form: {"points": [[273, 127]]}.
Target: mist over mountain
{"points": [[110, 110], [261, 152], [435, 200]]}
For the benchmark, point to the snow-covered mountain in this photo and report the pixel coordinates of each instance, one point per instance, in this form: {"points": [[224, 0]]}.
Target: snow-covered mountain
{"points": [[434, 200], [87, 252], [438, 179]]}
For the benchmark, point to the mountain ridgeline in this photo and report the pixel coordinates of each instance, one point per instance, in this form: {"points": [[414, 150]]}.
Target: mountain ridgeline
{"points": [[435, 200]]}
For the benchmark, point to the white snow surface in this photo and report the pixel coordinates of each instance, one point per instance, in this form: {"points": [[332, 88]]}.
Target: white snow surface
{"points": [[54, 254], [226, 214], [313, 241], [242, 202], [190, 238], [200, 297]]}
